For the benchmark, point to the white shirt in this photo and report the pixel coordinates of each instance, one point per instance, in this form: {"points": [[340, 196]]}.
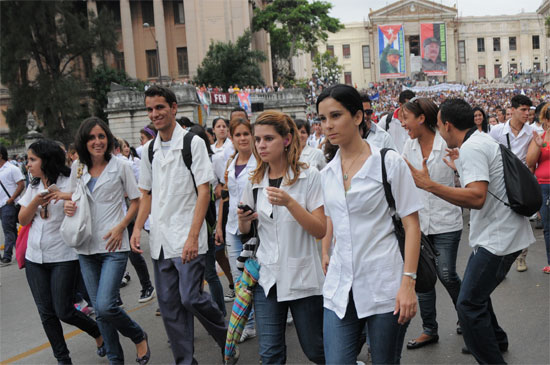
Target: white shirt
{"points": [[366, 256], [438, 215], [226, 144], [313, 141], [396, 131], [135, 162], [45, 243], [116, 181], [10, 175], [236, 186], [379, 137], [173, 193], [495, 226], [519, 144], [288, 255], [313, 157]]}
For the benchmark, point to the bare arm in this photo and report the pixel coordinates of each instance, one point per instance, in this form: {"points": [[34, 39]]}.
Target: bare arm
{"points": [[325, 246], [18, 191], [114, 236], [533, 154], [143, 214], [219, 225]]}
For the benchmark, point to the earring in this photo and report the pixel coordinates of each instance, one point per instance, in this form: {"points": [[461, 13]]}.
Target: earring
{"points": [[286, 148]]}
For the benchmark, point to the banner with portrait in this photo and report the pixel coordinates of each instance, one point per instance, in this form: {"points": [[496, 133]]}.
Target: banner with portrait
{"points": [[391, 51], [433, 43]]}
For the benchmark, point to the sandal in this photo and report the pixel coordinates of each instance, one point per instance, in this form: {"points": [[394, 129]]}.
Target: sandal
{"points": [[413, 344], [546, 270]]}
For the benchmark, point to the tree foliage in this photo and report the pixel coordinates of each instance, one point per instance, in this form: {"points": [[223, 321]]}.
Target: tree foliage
{"points": [[44, 45], [326, 68], [228, 64], [294, 25]]}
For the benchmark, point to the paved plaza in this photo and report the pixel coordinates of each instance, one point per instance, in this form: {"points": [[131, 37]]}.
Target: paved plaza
{"points": [[521, 303]]}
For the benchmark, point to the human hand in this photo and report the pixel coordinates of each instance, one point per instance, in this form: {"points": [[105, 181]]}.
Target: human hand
{"points": [[190, 249], [135, 241], [247, 216], [69, 207], [114, 237], [277, 196], [538, 139], [405, 302], [325, 260], [421, 177], [218, 236]]}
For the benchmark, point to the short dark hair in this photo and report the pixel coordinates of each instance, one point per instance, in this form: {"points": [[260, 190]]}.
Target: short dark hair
{"points": [[53, 160], [201, 132], [215, 121], [302, 123], [237, 109], [365, 98], [83, 136], [185, 122], [4, 152], [457, 112], [406, 95], [156, 90], [519, 99]]}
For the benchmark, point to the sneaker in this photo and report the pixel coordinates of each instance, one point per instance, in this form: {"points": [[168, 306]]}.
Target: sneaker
{"points": [[5, 261], [230, 296], [521, 264], [125, 279], [147, 295], [247, 334], [157, 312], [546, 270], [289, 318]]}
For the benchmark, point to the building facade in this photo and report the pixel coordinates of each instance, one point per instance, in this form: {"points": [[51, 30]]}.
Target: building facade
{"points": [[476, 48]]}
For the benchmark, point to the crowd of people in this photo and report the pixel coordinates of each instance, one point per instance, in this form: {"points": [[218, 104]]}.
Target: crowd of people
{"points": [[200, 192]]}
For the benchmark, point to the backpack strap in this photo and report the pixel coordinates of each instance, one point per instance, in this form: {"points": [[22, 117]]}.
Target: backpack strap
{"points": [[151, 152], [385, 183], [188, 156], [508, 140]]}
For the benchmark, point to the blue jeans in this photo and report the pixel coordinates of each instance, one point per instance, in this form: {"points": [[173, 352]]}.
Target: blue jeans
{"points": [[212, 278], [341, 336], [545, 215], [8, 215], [102, 275], [447, 245], [482, 334], [52, 286], [234, 248], [271, 325]]}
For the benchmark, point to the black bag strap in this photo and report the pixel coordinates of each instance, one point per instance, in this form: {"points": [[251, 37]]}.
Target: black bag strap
{"points": [[6, 190], [385, 183], [388, 120], [508, 139]]}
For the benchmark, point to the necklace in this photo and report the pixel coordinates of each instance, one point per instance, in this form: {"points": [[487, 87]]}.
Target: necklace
{"points": [[352, 163], [514, 128]]}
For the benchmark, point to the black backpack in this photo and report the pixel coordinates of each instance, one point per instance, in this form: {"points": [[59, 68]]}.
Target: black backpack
{"points": [[210, 217]]}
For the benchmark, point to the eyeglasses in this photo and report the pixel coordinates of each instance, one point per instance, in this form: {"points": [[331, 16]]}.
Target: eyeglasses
{"points": [[44, 214]]}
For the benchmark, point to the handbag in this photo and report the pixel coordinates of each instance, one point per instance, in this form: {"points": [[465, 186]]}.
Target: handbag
{"points": [[426, 272], [21, 245], [77, 230]]}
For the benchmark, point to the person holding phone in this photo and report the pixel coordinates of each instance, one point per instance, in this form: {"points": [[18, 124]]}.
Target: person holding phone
{"points": [[290, 214]]}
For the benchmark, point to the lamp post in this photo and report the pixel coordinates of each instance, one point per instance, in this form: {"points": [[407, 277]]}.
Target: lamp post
{"points": [[146, 25]]}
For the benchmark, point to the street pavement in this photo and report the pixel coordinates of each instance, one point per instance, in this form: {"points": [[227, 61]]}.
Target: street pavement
{"points": [[521, 304]]}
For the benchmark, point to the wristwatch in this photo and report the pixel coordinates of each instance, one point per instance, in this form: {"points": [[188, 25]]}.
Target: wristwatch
{"points": [[412, 275]]}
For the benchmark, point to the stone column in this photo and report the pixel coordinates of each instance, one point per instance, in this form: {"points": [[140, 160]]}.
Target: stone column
{"points": [[128, 38], [160, 34]]}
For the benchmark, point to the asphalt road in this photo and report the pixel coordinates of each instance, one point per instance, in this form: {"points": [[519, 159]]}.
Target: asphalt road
{"points": [[521, 302]]}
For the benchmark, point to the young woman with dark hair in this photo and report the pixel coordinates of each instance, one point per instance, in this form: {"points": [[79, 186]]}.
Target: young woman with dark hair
{"points": [[480, 119], [289, 210], [108, 180], [440, 221], [368, 282], [221, 129], [312, 156], [51, 265]]}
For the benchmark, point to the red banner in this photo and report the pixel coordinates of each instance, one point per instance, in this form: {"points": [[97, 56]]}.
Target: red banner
{"points": [[219, 98]]}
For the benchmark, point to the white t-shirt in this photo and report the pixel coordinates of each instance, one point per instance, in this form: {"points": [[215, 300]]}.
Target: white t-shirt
{"points": [[288, 254], [45, 243], [495, 227], [438, 215], [10, 175], [313, 157], [396, 131], [379, 137], [366, 256], [519, 144], [173, 193]]}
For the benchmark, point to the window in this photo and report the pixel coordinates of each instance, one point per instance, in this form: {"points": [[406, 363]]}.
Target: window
{"points": [[498, 71], [366, 56], [536, 42], [461, 52], [183, 63], [179, 13], [496, 44], [481, 72], [147, 13], [347, 78], [330, 50], [512, 43], [513, 67], [536, 66], [119, 61], [152, 63], [414, 45], [481, 45], [346, 50]]}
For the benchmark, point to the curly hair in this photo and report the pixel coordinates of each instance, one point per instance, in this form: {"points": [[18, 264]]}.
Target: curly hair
{"points": [[53, 160], [283, 125]]}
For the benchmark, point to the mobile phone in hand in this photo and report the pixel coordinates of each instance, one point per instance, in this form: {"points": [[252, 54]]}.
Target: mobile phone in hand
{"points": [[53, 188], [245, 208]]}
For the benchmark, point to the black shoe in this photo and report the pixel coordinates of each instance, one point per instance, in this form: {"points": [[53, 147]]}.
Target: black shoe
{"points": [[147, 295], [5, 261], [412, 344], [125, 279], [145, 358], [119, 303], [503, 347], [101, 350], [458, 328]]}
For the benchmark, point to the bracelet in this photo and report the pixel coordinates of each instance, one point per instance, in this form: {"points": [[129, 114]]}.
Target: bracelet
{"points": [[412, 275]]}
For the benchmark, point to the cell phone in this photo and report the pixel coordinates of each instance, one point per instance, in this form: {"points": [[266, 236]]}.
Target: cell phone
{"points": [[53, 188], [44, 192], [245, 208]]}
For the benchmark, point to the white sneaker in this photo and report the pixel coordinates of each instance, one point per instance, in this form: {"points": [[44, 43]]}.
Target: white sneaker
{"points": [[247, 334], [230, 296]]}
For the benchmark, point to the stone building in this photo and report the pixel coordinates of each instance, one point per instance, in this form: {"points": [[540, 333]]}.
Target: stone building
{"points": [[488, 47]]}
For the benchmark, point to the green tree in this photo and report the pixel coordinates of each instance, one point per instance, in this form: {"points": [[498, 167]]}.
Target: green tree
{"points": [[43, 45], [326, 68], [294, 25], [227, 64]]}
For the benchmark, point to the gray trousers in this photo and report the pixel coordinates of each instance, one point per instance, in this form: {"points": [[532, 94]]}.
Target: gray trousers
{"points": [[180, 297]]}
